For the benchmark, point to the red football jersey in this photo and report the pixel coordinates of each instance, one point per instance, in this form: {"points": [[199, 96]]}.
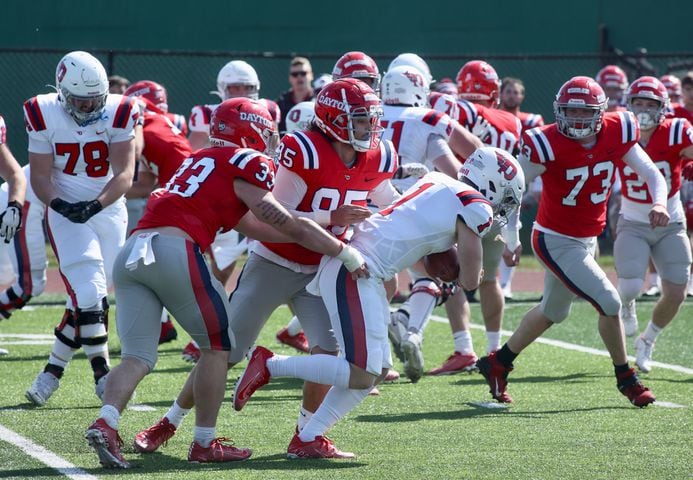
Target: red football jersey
{"points": [[505, 128], [165, 146], [577, 180], [664, 148], [678, 110], [200, 198], [179, 121], [530, 120], [330, 183]]}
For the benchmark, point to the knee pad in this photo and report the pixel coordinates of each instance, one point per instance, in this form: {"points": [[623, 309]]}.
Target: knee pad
{"points": [[66, 331], [630, 288], [88, 295], [84, 319]]}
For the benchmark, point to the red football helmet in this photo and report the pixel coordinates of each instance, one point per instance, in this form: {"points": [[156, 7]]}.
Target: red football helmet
{"points": [[478, 81], [357, 65], [153, 93], [341, 102], [614, 81], [243, 122], [580, 93], [649, 88], [673, 85]]}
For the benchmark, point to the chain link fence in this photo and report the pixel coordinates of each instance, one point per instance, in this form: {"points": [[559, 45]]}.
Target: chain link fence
{"points": [[190, 76]]}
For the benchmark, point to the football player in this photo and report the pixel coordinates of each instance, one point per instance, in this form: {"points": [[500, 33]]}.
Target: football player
{"points": [[14, 192], [669, 142], [673, 86], [437, 212], [685, 108], [614, 82], [82, 158], [576, 157], [479, 95], [213, 190], [326, 174]]}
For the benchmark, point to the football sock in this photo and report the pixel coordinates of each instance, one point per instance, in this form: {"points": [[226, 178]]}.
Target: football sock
{"points": [[463, 342], [506, 356], [337, 403], [618, 369], [203, 436], [176, 414], [99, 367], [421, 304], [294, 326], [493, 340], [303, 417], [111, 415], [324, 369], [651, 332]]}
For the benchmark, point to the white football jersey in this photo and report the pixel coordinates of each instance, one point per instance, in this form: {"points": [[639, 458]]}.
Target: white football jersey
{"points": [[423, 221], [80, 154], [409, 129], [200, 116]]}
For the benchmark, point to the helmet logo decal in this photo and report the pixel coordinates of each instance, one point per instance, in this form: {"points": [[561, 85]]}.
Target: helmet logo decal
{"points": [[255, 118], [505, 166], [332, 102], [62, 70]]}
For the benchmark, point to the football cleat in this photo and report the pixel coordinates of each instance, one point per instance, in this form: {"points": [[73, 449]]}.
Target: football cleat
{"points": [[413, 356], [220, 450], [4, 352], [298, 341], [653, 291], [168, 332], [107, 443], [496, 375], [392, 376], [149, 440], [191, 353], [320, 447], [253, 377], [643, 354], [456, 363], [629, 385], [629, 317], [397, 330], [43, 387], [100, 387]]}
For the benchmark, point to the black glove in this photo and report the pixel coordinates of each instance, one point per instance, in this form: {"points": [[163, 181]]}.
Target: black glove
{"points": [[10, 220], [61, 206], [80, 212]]}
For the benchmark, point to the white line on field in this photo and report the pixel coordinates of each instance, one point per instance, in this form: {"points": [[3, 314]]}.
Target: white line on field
{"points": [[31, 336], [44, 456], [29, 342], [577, 348]]}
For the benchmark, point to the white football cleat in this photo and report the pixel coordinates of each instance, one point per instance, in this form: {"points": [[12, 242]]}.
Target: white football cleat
{"points": [[100, 386], [413, 356], [43, 387], [643, 354], [629, 317], [4, 352]]}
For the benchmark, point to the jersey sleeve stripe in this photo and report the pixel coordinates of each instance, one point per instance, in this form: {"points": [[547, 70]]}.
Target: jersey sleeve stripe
{"points": [[242, 158], [470, 112], [432, 118], [386, 156], [541, 145], [310, 157], [676, 132], [34, 115], [123, 113], [206, 114], [471, 197], [627, 127]]}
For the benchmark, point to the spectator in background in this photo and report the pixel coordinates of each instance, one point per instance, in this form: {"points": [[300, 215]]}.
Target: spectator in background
{"points": [[685, 108], [300, 78], [117, 84], [512, 94]]}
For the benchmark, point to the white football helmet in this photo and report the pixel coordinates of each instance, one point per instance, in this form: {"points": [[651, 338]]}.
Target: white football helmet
{"points": [[81, 77], [498, 176], [300, 117], [412, 60], [237, 72], [404, 85]]}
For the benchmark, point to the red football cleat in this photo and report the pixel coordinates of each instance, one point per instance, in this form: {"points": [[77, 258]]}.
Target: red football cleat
{"points": [[496, 375], [168, 332], [298, 341], [107, 443], [456, 363], [147, 441], [253, 377], [320, 447], [218, 451], [630, 386], [191, 353]]}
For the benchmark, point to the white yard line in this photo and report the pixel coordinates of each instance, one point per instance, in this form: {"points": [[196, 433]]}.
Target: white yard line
{"points": [[44, 456], [577, 348]]}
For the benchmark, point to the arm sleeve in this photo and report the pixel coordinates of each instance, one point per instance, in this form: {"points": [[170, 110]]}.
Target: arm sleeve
{"points": [[640, 162], [530, 169], [437, 146], [384, 194], [511, 231], [290, 189]]}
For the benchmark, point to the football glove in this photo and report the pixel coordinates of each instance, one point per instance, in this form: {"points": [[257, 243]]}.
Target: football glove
{"points": [[80, 212], [10, 220]]}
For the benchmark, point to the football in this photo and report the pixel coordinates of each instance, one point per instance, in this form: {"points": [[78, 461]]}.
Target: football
{"points": [[443, 265]]}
